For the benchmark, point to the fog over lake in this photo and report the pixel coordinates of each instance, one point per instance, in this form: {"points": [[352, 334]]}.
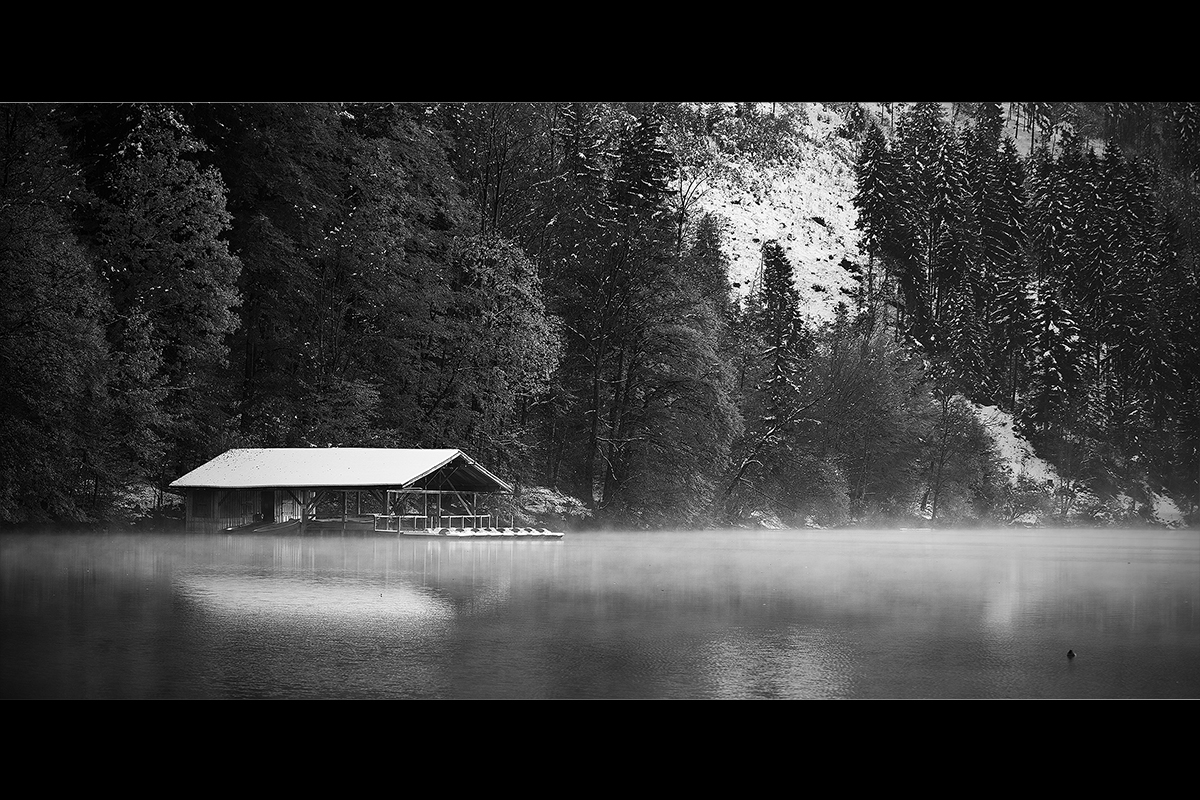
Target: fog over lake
{"points": [[786, 614]]}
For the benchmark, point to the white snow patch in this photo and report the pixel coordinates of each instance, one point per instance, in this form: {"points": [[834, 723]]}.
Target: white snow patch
{"points": [[1165, 510], [785, 201], [1017, 453], [807, 206]]}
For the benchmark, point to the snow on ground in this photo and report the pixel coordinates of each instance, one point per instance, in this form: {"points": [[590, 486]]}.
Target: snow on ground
{"points": [[1165, 510], [1019, 457], [1017, 453], [805, 205]]}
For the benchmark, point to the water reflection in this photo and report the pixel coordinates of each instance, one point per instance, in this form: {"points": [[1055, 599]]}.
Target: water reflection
{"points": [[792, 662], [721, 614]]}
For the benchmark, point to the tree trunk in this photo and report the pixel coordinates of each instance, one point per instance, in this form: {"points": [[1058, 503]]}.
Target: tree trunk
{"points": [[941, 458], [616, 414], [589, 461]]}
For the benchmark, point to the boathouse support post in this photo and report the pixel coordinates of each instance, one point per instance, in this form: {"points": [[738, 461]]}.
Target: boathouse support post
{"points": [[461, 499], [297, 500]]}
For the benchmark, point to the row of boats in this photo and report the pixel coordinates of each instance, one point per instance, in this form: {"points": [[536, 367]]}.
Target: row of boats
{"points": [[318, 524]]}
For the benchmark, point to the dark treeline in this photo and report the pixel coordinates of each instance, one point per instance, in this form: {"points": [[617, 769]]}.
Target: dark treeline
{"points": [[531, 283], [1062, 287]]}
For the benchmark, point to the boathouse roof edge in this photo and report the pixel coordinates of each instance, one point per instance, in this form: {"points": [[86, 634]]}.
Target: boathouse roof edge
{"points": [[335, 467]]}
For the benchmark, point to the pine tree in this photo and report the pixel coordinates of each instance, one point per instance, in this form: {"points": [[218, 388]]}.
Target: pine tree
{"points": [[876, 194], [707, 268], [776, 454], [777, 319], [1184, 127], [634, 283], [1054, 212], [881, 200], [1054, 373], [1006, 273], [928, 241]]}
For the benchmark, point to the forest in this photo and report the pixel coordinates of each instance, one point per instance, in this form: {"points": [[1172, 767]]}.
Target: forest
{"points": [[535, 284]]}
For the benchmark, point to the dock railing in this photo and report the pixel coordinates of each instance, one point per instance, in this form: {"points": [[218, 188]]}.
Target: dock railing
{"points": [[395, 523], [401, 522], [474, 521]]}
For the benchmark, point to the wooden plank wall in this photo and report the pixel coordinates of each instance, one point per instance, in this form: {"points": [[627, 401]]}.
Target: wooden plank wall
{"points": [[229, 508], [222, 508], [285, 507]]}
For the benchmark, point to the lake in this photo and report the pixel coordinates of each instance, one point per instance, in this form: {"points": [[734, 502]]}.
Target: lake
{"points": [[793, 614]]}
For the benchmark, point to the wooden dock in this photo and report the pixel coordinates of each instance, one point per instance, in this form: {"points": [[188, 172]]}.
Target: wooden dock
{"points": [[367, 525]]}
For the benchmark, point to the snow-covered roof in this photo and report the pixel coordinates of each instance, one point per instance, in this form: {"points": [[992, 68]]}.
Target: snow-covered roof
{"points": [[334, 467]]}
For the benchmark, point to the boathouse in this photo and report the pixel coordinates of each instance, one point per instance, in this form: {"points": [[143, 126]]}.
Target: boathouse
{"points": [[370, 488]]}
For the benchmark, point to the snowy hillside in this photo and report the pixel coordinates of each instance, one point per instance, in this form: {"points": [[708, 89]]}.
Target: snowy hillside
{"points": [[805, 205], [1018, 456], [1017, 453]]}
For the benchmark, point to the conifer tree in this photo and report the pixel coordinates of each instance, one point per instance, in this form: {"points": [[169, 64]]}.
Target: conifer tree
{"points": [[1054, 212], [777, 320], [706, 267], [776, 453], [875, 198], [568, 255], [928, 244], [62, 447], [1052, 404], [1007, 275]]}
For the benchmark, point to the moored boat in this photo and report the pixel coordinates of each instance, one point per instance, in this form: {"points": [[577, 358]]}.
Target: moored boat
{"points": [[508, 533]]}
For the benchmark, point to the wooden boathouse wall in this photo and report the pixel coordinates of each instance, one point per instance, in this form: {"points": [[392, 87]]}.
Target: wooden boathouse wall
{"points": [[214, 510], [211, 510]]}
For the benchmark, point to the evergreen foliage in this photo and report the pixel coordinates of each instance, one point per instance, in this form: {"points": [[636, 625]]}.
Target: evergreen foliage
{"points": [[63, 447], [1052, 287], [531, 282]]}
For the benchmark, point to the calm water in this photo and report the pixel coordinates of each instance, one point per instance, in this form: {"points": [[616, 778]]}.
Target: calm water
{"points": [[733, 614]]}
